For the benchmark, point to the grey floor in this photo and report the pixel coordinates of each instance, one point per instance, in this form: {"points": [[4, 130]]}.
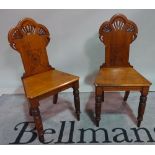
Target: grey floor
{"points": [[118, 120]]}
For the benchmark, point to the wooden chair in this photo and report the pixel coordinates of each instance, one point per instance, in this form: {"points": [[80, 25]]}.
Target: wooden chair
{"points": [[40, 80], [116, 74]]}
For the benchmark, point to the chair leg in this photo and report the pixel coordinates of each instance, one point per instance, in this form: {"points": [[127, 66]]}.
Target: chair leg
{"points": [[103, 96], [30, 109], [76, 100], [126, 96], [98, 98], [37, 118], [142, 104], [55, 98]]}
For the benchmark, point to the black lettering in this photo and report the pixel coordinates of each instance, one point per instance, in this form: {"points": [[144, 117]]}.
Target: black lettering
{"points": [[136, 132], [47, 132], [82, 132], [71, 133], [33, 134], [122, 134]]}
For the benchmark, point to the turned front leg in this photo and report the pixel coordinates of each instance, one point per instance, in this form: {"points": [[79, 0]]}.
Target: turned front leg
{"points": [[98, 99], [142, 104], [76, 99], [37, 118]]}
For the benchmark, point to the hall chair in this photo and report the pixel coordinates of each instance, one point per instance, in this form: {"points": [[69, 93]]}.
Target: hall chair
{"points": [[116, 74], [40, 79]]}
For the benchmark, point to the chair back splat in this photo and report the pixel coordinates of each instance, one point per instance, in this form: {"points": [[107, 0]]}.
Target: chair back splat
{"points": [[117, 35], [30, 40]]}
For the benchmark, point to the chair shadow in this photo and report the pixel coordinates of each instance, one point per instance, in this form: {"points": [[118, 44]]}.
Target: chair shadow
{"points": [[113, 104], [48, 109], [95, 53]]}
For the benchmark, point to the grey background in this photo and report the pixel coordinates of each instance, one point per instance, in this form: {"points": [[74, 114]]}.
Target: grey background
{"points": [[74, 46]]}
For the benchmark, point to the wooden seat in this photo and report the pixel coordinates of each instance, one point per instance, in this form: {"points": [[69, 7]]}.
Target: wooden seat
{"points": [[50, 81], [125, 76], [40, 79], [116, 74]]}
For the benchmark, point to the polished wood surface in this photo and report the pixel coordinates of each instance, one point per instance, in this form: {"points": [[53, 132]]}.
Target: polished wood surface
{"points": [[117, 35], [116, 74], [30, 40], [40, 80], [39, 84], [125, 76]]}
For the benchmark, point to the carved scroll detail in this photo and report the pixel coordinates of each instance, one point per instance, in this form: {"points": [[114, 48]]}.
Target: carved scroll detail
{"points": [[26, 27], [30, 40], [118, 23]]}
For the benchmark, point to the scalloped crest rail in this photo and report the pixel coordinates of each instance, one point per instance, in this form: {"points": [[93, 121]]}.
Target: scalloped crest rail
{"points": [[30, 40], [117, 35]]}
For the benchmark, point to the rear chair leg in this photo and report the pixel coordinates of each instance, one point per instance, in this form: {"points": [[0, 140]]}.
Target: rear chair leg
{"points": [[30, 109], [76, 99], [55, 98], [126, 96]]}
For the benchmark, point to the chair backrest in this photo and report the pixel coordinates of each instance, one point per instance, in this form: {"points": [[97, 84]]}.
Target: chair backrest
{"points": [[117, 35], [30, 40]]}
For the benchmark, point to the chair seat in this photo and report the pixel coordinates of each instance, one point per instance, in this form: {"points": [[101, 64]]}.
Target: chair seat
{"points": [[124, 76], [46, 82]]}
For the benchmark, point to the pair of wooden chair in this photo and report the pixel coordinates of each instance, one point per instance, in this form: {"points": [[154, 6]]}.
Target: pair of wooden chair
{"points": [[41, 80]]}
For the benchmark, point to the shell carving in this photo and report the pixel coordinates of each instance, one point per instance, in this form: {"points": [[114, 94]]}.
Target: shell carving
{"points": [[30, 40], [118, 23], [26, 27]]}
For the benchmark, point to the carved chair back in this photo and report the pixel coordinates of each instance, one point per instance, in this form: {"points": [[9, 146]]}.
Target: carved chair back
{"points": [[117, 35], [30, 40]]}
